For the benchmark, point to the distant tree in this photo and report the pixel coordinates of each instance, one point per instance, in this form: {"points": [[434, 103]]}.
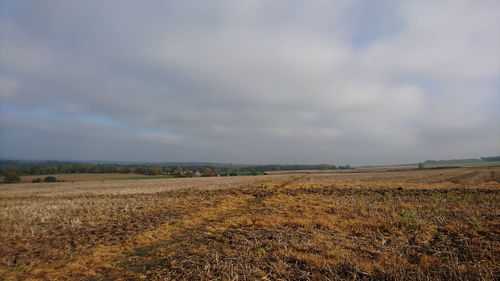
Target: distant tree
{"points": [[207, 172], [37, 180], [152, 171], [166, 170], [10, 175], [421, 166], [177, 171], [50, 179]]}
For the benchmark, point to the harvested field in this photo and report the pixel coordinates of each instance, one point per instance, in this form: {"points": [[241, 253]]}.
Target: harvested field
{"points": [[466, 176], [347, 171], [80, 177], [411, 225], [129, 186]]}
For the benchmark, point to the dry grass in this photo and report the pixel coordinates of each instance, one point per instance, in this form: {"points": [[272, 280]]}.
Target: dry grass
{"points": [[103, 187], [432, 225], [463, 176]]}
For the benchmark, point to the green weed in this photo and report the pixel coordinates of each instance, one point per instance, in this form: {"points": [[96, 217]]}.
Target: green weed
{"points": [[263, 186], [411, 217]]}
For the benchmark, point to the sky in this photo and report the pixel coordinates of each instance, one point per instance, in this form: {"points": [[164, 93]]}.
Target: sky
{"points": [[285, 81]]}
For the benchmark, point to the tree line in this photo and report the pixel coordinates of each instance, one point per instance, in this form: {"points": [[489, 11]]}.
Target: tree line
{"points": [[154, 170], [278, 167], [95, 169], [12, 173]]}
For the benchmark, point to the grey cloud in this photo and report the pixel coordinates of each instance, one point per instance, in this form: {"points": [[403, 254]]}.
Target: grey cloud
{"points": [[253, 81]]}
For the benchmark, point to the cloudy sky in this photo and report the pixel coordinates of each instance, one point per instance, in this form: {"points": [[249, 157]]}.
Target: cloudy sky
{"points": [[342, 82]]}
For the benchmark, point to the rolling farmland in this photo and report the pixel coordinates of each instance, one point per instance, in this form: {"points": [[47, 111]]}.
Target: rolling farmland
{"points": [[405, 225]]}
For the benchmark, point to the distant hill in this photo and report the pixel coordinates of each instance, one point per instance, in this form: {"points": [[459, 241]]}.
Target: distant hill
{"points": [[474, 162], [495, 158], [470, 160], [452, 161]]}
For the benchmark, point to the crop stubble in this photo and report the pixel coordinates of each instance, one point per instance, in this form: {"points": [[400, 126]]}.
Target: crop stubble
{"points": [[386, 226]]}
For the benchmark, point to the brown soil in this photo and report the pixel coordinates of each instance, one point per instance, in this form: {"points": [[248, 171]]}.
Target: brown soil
{"points": [[420, 225]]}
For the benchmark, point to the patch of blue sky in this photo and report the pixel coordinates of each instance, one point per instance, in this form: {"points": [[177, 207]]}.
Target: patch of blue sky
{"points": [[374, 21], [46, 113], [65, 33]]}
